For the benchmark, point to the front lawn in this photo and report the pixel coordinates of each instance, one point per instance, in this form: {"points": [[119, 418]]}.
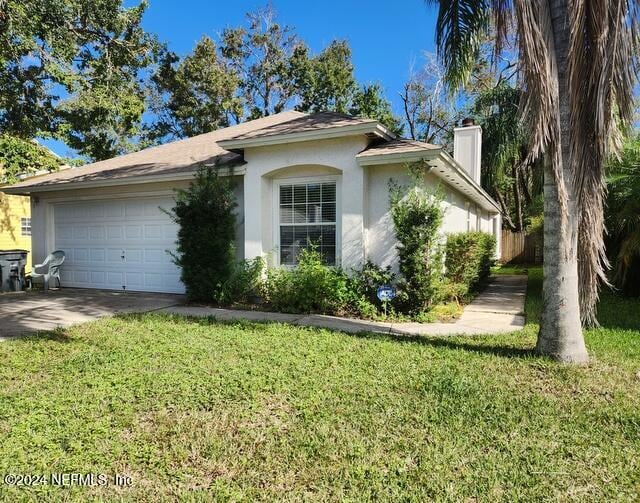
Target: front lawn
{"points": [[248, 411]]}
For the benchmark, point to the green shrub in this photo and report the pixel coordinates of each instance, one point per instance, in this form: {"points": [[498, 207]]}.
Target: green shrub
{"points": [[469, 257], [310, 287], [244, 283], [205, 253], [362, 289], [449, 291], [417, 216]]}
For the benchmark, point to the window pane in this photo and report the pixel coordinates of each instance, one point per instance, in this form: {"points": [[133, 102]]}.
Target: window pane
{"points": [[299, 193], [300, 214], [315, 213], [286, 214], [301, 205], [328, 192], [328, 235], [300, 235], [25, 226], [328, 212], [315, 235], [286, 255], [313, 193], [286, 236], [329, 255], [286, 194]]}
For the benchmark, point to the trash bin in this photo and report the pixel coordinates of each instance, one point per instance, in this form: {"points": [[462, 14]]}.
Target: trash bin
{"points": [[12, 264]]}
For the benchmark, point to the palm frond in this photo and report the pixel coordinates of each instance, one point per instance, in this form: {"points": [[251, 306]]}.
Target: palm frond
{"points": [[459, 30], [602, 57]]}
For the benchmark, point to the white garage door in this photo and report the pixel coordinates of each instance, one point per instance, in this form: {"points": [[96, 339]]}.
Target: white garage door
{"points": [[118, 243]]}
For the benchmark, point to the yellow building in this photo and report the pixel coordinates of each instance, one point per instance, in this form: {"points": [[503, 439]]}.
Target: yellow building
{"points": [[15, 224]]}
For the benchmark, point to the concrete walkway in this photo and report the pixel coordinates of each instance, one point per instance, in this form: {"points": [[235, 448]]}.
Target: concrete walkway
{"points": [[498, 309]]}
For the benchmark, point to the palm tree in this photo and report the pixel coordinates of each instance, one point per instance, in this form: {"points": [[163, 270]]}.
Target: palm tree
{"points": [[578, 60]]}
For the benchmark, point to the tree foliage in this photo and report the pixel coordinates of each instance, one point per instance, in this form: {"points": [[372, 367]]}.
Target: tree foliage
{"points": [[508, 173], [260, 54], [623, 217], [326, 81], [70, 69], [194, 95], [22, 157], [257, 70], [370, 102]]}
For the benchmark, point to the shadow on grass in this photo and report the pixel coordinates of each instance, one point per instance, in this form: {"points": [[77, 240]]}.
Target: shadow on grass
{"points": [[452, 342], [56, 335]]}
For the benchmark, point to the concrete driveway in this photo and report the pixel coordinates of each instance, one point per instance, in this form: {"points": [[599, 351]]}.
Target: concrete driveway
{"points": [[32, 311]]}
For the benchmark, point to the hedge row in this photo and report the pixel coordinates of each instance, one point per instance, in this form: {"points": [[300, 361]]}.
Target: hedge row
{"points": [[469, 257]]}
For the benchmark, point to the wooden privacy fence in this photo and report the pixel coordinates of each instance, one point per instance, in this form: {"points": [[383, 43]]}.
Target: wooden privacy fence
{"points": [[520, 248]]}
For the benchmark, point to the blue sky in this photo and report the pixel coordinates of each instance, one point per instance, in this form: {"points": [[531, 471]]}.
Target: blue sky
{"points": [[386, 37]]}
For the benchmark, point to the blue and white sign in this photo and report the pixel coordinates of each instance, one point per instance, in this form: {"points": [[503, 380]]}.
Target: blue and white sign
{"points": [[386, 293]]}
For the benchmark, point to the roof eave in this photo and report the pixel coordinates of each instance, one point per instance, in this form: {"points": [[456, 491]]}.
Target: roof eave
{"points": [[422, 155], [452, 165], [71, 185], [372, 128]]}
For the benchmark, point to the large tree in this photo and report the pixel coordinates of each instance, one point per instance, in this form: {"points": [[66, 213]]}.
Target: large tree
{"points": [[577, 60], [326, 81], [23, 157], [194, 95], [369, 102], [260, 54], [254, 71], [70, 69]]}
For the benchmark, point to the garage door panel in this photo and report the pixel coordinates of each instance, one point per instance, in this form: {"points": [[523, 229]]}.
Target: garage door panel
{"points": [[134, 209], [79, 255], [133, 255], [97, 256], [96, 234], [114, 255], [153, 231], [80, 232], [115, 279]]}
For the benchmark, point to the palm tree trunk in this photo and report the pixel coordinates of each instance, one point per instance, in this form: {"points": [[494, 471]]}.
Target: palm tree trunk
{"points": [[560, 333]]}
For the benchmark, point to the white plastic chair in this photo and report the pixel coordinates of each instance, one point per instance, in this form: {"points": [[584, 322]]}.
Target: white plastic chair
{"points": [[54, 261]]}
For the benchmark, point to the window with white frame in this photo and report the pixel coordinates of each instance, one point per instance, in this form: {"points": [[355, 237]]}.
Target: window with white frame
{"points": [[25, 226], [307, 218]]}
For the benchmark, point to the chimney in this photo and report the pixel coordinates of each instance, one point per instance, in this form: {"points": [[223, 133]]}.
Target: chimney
{"points": [[467, 148]]}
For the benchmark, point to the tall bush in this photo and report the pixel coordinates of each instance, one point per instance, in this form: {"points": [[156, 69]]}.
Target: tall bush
{"points": [[469, 257], [417, 216], [205, 213]]}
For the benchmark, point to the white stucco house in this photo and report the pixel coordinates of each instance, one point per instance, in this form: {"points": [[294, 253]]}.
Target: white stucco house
{"points": [[299, 177]]}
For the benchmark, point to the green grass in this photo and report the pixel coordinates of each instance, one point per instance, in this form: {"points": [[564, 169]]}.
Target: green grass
{"points": [[199, 410]]}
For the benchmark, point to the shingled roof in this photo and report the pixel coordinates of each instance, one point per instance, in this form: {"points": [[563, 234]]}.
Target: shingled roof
{"points": [[176, 157], [400, 146], [314, 122]]}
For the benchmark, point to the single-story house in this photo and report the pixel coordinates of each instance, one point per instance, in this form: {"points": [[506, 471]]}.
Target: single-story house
{"points": [[300, 178]]}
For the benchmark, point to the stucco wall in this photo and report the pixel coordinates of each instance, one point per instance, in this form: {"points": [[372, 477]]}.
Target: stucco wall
{"points": [[460, 213], [336, 157]]}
